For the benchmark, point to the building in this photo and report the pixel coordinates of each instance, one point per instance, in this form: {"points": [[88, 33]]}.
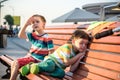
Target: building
{"points": [[104, 9]]}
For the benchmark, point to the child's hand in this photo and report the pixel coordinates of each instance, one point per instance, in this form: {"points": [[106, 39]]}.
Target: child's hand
{"points": [[29, 21], [82, 55]]}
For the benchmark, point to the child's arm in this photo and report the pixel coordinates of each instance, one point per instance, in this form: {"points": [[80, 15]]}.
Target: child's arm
{"points": [[74, 59], [22, 33], [76, 64]]}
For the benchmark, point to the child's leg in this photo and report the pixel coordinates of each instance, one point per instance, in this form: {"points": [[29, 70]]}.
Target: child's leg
{"points": [[14, 70], [43, 66], [58, 73], [18, 64], [47, 66]]}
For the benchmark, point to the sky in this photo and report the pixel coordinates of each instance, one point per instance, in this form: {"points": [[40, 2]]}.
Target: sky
{"points": [[50, 9]]}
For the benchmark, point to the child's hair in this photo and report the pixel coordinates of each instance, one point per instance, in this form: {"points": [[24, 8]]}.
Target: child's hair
{"points": [[42, 17], [80, 34]]}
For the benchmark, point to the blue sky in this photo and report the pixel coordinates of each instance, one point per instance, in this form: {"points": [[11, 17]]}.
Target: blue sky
{"points": [[48, 8]]}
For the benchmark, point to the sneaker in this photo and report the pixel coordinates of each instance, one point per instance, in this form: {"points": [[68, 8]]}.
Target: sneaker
{"points": [[24, 70], [34, 69]]}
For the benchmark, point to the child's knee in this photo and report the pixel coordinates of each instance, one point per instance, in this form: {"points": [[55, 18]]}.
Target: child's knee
{"points": [[15, 63]]}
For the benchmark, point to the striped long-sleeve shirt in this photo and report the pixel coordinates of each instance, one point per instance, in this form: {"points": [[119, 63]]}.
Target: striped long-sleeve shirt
{"points": [[41, 44], [62, 54]]}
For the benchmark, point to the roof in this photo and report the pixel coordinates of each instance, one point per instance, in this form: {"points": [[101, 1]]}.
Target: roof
{"points": [[114, 18], [98, 4], [77, 15]]}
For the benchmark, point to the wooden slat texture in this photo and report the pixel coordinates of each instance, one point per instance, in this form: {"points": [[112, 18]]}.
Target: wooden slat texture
{"points": [[6, 59], [79, 77], [45, 77], [89, 75], [104, 56], [99, 71], [60, 42], [105, 47], [103, 63], [108, 39], [74, 26], [61, 37], [59, 32], [33, 77], [40, 77]]}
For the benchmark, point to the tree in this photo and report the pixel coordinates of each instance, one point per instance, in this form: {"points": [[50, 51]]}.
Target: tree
{"points": [[10, 20]]}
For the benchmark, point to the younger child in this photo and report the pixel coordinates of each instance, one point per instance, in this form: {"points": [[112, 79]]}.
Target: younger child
{"points": [[66, 55], [42, 45]]}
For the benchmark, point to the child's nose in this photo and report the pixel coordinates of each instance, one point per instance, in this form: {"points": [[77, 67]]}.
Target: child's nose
{"points": [[83, 45]]}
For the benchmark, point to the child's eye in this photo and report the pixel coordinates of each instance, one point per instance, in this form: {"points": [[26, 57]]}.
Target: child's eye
{"points": [[35, 22], [83, 44]]}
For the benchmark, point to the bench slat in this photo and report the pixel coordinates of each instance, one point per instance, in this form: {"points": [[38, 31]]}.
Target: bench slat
{"points": [[104, 56], [105, 47], [79, 77], [101, 71], [74, 26], [40, 77], [33, 77], [108, 39], [60, 42], [45, 77], [61, 37], [59, 32], [6, 59], [102, 63], [90, 76]]}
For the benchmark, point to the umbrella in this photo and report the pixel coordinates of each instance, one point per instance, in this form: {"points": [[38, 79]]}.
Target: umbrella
{"points": [[114, 18], [77, 15]]}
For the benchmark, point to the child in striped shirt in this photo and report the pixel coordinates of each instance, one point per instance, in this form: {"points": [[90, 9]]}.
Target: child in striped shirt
{"points": [[42, 44], [66, 55]]}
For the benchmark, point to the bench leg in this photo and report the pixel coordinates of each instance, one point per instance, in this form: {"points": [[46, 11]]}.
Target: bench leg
{"points": [[8, 70], [7, 75], [22, 77]]}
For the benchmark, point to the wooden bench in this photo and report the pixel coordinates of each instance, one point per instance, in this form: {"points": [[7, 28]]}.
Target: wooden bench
{"points": [[102, 61]]}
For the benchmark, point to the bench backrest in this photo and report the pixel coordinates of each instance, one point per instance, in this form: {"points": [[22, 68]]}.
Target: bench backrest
{"points": [[102, 62]]}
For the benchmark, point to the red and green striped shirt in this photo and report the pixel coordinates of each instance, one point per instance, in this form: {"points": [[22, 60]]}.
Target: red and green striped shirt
{"points": [[41, 44]]}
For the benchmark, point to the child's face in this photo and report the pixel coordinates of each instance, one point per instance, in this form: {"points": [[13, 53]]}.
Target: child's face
{"points": [[38, 24], [80, 44]]}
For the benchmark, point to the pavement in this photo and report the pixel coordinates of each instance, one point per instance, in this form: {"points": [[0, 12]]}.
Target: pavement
{"points": [[16, 48]]}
